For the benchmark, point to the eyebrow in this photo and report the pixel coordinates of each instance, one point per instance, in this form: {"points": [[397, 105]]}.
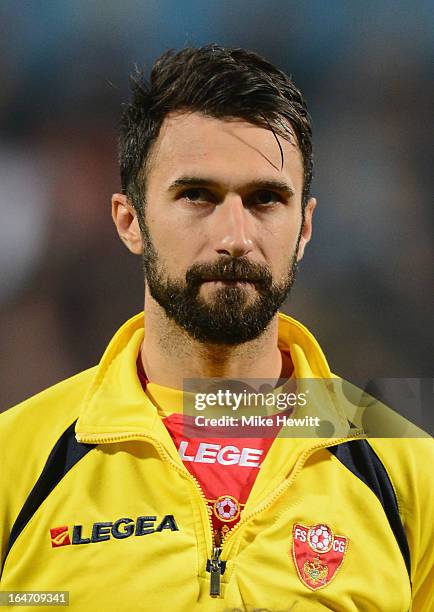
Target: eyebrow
{"points": [[266, 184]]}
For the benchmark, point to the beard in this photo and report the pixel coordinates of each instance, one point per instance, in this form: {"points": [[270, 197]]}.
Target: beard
{"points": [[229, 316]]}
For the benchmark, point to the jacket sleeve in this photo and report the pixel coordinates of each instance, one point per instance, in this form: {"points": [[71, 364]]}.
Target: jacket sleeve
{"points": [[409, 463], [19, 466], [28, 433], [419, 523]]}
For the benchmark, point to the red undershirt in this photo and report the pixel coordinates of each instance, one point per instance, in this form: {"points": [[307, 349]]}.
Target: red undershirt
{"points": [[225, 468]]}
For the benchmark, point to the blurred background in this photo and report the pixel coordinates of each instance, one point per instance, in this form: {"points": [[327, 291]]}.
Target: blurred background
{"points": [[67, 283]]}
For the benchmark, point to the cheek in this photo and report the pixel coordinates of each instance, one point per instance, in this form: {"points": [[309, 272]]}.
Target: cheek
{"points": [[176, 245], [279, 238], [282, 259]]}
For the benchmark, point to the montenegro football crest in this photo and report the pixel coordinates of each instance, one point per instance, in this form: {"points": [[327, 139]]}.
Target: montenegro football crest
{"points": [[318, 554]]}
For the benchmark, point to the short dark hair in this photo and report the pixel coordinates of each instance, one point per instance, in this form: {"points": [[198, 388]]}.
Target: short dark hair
{"points": [[218, 82]]}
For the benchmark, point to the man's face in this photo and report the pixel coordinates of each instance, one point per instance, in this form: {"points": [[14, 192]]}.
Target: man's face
{"points": [[223, 226]]}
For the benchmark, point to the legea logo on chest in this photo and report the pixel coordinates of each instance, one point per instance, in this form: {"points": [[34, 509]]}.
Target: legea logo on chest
{"points": [[205, 452]]}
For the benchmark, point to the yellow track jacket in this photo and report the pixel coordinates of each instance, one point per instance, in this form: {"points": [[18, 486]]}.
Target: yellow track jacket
{"points": [[95, 500]]}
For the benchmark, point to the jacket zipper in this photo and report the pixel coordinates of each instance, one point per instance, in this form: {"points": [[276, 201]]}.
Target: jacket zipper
{"points": [[216, 565]]}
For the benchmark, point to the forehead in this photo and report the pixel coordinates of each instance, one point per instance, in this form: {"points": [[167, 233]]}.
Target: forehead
{"points": [[229, 150]]}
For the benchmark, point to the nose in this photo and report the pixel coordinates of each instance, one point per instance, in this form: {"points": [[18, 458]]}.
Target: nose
{"points": [[233, 228]]}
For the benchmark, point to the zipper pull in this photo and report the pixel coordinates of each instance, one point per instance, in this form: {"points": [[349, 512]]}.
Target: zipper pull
{"points": [[216, 567]]}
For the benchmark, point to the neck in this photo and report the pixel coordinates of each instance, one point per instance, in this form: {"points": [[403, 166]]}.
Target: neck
{"points": [[169, 354]]}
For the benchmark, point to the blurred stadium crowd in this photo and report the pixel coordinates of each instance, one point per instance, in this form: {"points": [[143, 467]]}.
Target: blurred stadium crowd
{"points": [[66, 281]]}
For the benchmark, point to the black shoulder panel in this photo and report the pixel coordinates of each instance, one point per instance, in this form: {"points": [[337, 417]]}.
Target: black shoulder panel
{"points": [[65, 454], [360, 458]]}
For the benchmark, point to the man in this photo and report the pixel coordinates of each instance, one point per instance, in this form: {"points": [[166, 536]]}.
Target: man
{"points": [[110, 492]]}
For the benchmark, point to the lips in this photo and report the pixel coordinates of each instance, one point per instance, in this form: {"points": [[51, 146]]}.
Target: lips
{"points": [[229, 280]]}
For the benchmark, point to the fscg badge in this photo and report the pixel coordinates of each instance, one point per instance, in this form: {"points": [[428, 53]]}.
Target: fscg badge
{"points": [[317, 554]]}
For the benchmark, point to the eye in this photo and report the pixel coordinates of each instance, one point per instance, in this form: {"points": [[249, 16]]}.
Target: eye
{"points": [[265, 198], [197, 195]]}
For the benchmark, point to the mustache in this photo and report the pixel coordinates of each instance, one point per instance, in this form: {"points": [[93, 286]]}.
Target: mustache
{"points": [[229, 269]]}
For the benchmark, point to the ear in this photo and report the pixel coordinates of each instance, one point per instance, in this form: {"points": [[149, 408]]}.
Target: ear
{"points": [[306, 231], [127, 224]]}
